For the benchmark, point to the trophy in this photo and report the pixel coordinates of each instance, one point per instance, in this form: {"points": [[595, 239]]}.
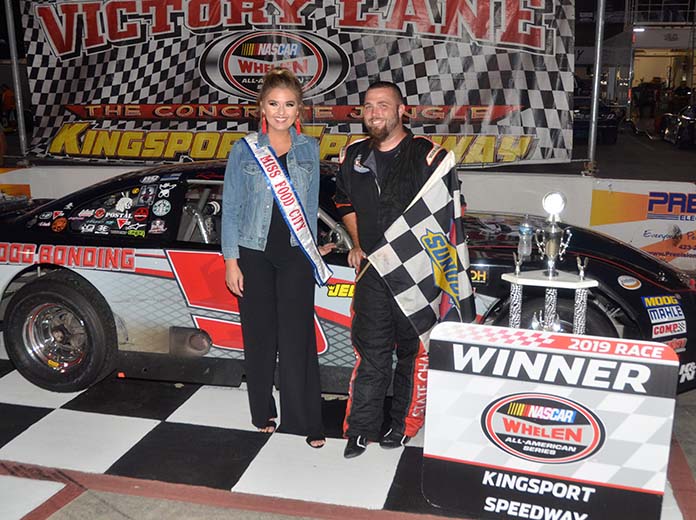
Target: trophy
{"points": [[552, 241]]}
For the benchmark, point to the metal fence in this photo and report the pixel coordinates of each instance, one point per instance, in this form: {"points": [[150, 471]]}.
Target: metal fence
{"points": [[677, 12]]}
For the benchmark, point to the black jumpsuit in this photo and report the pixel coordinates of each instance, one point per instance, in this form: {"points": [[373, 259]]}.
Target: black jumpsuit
{"points": [[277, 312], [378, 190]]}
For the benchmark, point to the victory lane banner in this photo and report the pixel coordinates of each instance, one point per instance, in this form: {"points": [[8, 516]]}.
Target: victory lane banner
{"points": [[176, 80], [542, 425]]}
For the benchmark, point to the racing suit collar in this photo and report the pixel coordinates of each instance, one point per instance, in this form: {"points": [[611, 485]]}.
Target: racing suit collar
{"points": [[397, 149], [371, 159]]}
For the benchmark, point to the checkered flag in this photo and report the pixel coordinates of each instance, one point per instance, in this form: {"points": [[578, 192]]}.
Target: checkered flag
{"points": [[423, 256]]}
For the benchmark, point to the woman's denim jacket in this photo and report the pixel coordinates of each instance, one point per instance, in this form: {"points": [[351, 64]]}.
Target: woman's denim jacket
{"points": [[247, 199]]}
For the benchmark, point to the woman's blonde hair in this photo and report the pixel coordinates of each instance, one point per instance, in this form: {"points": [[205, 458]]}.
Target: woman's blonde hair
{"points": [[281, 78]]}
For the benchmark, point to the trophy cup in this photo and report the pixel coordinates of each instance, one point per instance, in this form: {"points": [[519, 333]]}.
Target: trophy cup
{"points": [[551, 241]]}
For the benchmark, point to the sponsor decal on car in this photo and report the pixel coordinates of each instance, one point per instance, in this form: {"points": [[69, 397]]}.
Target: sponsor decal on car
{"points": [[658, 301], [479, 275], [669, 329], [59, 224], [543, 428], [147, 195], [121, 222], [124, 203], [102, 229], [676, 344], [157, 226], [141, 214], [110, 258], [165, 189], [161, 207], [687, 372], [629, 282], [118, 214], [340, 290], [668, 313]]}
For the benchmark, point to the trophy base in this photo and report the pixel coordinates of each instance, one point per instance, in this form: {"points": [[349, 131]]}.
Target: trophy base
{"points": [[541, 278]]}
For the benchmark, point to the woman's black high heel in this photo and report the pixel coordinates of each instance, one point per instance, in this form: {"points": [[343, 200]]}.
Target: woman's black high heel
{"points": [[315, 438], [271, 426]]}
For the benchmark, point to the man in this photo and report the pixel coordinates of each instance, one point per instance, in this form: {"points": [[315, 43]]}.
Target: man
{"points": [[3, 145], [682, 90], [9, 107], [379, 176]]}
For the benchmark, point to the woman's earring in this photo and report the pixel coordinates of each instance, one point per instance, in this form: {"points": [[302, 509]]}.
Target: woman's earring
{"points": [[264, 127], [298, 126]]}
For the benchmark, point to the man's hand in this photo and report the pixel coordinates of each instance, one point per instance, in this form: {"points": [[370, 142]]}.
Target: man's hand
{"points": [[355, 258], [326, 248], [234, 277]]}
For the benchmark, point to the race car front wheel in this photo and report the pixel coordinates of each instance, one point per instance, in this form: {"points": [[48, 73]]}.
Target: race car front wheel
{"points": [[60, 333]]}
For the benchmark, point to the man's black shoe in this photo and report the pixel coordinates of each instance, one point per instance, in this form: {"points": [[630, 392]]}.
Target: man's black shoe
{"points": [[393, 439], [355, 446]]}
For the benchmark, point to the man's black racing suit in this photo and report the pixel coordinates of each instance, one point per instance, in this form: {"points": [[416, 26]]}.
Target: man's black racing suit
{"points": [[378, 198]]}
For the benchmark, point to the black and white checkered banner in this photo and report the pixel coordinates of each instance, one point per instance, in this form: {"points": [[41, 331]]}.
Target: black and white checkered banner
{"points": [[177, 80]]}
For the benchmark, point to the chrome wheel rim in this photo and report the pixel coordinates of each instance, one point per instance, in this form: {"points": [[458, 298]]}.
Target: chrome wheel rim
{"points": [[55, 337]]}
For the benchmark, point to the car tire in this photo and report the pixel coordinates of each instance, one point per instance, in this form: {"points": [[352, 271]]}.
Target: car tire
{"points": [[596, 322], [682, 139], [60, 333]]}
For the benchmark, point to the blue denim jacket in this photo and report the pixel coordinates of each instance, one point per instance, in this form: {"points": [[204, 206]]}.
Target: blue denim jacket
{"points": [[247, 199]]}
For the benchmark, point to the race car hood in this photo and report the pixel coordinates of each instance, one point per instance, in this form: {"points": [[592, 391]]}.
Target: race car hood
{"points": [[497, 230]]}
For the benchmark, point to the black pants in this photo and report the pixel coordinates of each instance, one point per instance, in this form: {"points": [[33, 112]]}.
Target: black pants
{"points": [[277, 312], [379, 327]]}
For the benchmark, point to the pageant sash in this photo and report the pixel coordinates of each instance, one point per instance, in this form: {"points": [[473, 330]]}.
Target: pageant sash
{"points": [[290, 206]]}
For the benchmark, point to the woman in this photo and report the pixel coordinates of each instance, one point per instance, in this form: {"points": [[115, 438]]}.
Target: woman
{"points": [[269, 222]]}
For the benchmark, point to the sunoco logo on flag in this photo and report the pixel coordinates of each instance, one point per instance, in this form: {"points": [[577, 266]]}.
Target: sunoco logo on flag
{"points": [[443, 256]]}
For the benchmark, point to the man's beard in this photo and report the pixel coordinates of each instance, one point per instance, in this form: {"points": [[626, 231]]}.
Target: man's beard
{"points": [[380, 134]]}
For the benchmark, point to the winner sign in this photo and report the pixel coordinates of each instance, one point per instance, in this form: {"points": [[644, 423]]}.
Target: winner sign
{"points": [[542, 425]]}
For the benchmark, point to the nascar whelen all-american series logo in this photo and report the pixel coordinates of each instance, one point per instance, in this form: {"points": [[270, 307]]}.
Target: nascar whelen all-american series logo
{"points": [[543, 428], [236, 64]]}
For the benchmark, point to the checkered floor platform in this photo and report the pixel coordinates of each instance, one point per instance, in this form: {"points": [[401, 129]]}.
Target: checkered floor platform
{"points": [[197, 435]]}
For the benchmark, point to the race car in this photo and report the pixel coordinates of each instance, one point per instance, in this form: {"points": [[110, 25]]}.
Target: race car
{"points": [[127, 275], [679, 128]]}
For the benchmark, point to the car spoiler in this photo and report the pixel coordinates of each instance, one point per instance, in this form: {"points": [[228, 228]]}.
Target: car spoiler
{"points": [[13, 206]]}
